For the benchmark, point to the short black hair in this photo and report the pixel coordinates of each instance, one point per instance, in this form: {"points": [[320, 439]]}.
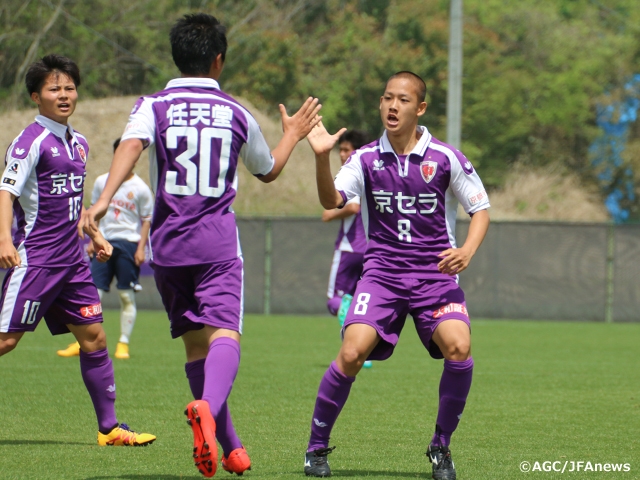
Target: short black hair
{"points": [[196, 41], [39, 71], [116, 142], [421, 87], [357, 138]]}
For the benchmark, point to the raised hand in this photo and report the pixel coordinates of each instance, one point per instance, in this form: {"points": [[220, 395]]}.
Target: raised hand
{"points": [[300, 123], [322, 141]]}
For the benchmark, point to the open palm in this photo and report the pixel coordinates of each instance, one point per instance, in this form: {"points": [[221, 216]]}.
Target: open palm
{"points": [[322, 141]]}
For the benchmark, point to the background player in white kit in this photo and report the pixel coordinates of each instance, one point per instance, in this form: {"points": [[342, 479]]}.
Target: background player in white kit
{"points": [[126, 226], [196, 133], [410, 185]]}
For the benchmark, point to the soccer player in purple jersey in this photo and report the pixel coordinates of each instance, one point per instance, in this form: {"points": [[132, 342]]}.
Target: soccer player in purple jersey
{"points": [[410, 184], [195, 134], [42, 185]]}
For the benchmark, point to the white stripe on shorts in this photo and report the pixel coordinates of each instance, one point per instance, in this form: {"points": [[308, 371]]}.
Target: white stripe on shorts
{"points": [[13, 289], [334, 273]]}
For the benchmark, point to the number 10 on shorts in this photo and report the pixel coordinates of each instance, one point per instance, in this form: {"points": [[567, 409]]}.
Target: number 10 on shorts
{"points": [[362, 302]]}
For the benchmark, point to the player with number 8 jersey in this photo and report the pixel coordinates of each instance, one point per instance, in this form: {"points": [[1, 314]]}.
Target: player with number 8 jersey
{"points": [[410, 185], [196, 134]]}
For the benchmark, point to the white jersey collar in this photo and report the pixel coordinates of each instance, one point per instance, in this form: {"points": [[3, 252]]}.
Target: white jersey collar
{"points": [[56, 128], [193, 82], [419, 149]]}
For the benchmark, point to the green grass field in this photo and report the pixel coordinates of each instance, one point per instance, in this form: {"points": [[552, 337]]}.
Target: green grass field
{"points": [[542, 391]]}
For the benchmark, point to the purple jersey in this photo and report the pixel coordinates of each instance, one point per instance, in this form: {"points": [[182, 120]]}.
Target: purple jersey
{"points": [[351, 237], [409, 202], [45, 169], [196, 133]]}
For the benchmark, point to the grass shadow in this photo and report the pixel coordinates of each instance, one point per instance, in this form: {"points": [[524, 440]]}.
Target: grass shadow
{"points": [[373, 473], [147, 477], [41, 442]]}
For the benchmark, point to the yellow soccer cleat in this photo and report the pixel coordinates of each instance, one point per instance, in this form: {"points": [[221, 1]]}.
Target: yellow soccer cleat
{"points": [[123, 436], [73, 350], [122, 351]]}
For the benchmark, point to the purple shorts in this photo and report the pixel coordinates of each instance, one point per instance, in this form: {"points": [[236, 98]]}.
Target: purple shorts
{"points": [[62, 295], [199, 295], [346, 270], [384, 302]]}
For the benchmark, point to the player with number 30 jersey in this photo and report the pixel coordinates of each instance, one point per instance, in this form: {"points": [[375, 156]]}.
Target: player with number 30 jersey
{"points": [[202, 132], [195, 134]]}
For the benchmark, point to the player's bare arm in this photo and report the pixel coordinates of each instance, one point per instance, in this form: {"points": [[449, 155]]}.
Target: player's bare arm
{"points": [[339, 214], [138, 258], [124, 160], [321, 143], [456, 260], [99, 246], [295, 128], [9, 256]]}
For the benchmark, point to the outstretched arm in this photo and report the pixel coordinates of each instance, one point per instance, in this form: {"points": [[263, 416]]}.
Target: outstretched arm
{"points": [[123, 162], [295, 129], [455, 260], [322, 142]]}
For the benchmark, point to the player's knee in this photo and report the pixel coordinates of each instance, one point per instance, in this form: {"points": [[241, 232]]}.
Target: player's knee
{"points": [[352, 357], [93, 340], [458, 350], [127, 301], [7, 344]]}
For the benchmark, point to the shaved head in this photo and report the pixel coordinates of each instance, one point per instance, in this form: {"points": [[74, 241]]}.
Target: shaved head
{"points": [[421, 87]]}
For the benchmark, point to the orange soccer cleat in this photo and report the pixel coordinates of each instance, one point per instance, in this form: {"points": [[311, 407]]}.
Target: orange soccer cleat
{"points": [[237, 462], [123, 436], [205, 450]]}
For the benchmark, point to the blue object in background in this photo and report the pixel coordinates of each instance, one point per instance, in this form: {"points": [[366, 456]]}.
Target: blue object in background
{"points": [[615, 179]]}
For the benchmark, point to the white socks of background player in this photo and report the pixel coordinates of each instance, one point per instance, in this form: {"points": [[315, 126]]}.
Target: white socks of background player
{"points": [[127, 314]]}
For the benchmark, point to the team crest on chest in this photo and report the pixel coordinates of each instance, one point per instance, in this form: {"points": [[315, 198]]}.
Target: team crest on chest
{"points": [[130, 195], [428, 170], [83, 154]]}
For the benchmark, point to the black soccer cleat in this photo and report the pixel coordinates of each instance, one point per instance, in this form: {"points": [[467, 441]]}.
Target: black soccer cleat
{"points": [[316, 464], [443, 467]]}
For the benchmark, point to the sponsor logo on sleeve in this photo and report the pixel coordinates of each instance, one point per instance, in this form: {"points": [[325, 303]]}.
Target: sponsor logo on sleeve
{"points": [[451, 308], [477, 198], [9, 181], [13, 169], [428, 169], [91, 310]]}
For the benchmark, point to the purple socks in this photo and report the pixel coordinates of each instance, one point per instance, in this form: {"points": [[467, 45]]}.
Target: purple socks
{"points": [[211, 379], [454, 389], [332, 395], [97, 372]]}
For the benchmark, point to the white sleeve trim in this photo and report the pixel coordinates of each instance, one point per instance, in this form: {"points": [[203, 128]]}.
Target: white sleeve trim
{"points": [[24, 167], [142, 123], [256, 154], [350, 178], [467, 188]]}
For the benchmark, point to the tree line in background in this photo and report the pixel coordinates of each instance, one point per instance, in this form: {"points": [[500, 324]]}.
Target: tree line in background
{"points": [[535, 71]]}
